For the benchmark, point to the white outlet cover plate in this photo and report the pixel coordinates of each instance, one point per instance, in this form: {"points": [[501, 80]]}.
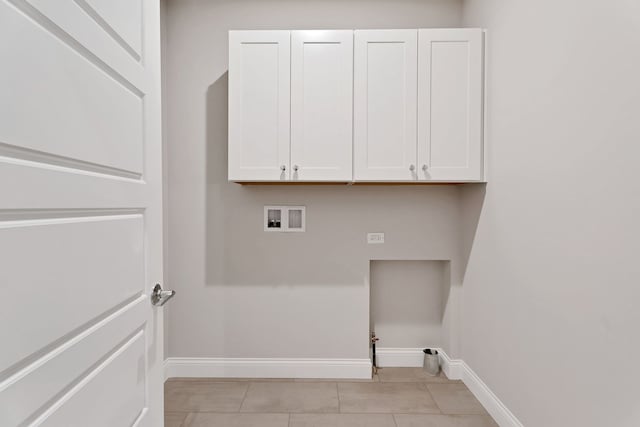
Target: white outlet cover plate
{"points": [[375, 238]]}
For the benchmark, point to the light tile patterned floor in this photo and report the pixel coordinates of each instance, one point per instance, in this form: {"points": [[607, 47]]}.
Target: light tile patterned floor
{"points": [[396, 397]]}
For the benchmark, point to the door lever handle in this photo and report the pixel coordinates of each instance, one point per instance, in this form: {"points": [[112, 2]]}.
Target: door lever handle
{"points": [[160, 297]]}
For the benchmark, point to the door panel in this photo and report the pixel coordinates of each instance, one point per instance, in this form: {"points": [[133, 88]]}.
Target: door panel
{"points": [[122, 19], [22, 399], [322, 100], [75, 24], [121, 377], [450, 104], [259, 105], [385, 73], [68, 95], [45, 180], [62, 275], [80, 214]]}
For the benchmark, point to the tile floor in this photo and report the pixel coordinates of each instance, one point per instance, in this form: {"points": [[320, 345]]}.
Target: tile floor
{"points": [[396, 397]]}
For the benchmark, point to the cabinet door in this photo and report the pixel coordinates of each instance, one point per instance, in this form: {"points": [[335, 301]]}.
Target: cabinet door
{"points": [[450, 146], [259, 102], [321, 105], [385, 105]]}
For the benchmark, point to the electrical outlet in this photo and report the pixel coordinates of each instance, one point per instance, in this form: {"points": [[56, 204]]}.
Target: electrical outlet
{"points": [[374, 238]]}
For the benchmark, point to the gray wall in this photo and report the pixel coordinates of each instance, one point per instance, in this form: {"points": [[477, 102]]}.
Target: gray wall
{"points": [[551, 290], [246, 293]]}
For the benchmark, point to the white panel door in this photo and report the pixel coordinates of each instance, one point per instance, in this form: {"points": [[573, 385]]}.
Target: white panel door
{"points": [[450, 146], [259, 105], [120, 18], [80, 213], [385, 105], [321, 105]]}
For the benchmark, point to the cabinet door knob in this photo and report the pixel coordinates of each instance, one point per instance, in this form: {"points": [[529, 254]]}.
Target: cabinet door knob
{"points": [[412, 168], [425, 167], [295, 168], [283, 168]]}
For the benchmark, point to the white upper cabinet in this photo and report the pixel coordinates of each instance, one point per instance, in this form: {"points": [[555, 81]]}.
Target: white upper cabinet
{"points": [[259, 105], [364, 106], [385, 105], [321, 105], [450, 82]]}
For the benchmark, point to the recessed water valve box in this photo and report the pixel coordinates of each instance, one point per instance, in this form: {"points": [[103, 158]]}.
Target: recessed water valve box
{"points": [[284, 218]]}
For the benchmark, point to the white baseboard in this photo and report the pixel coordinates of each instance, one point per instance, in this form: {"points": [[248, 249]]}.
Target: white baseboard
{"points": [[452, 368], [456, 369], [414, 358], [267, 368], [387, 357]]}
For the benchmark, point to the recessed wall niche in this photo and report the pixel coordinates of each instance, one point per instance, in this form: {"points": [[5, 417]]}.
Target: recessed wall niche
{"points": [[407, 300]]}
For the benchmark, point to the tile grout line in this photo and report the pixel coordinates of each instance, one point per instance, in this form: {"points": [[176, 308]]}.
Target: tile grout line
{"points": [[338, 396], [426, 386], [253, 412], [346, 413], [244, 397], [184, 420]]}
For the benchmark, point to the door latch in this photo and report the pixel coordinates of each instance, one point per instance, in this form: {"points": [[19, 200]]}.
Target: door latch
{"points": [[160, 297]]}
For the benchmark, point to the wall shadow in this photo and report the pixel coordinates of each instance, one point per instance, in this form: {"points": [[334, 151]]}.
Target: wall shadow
{"points": [[237, 251], [472, 198], [217, 131]]}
